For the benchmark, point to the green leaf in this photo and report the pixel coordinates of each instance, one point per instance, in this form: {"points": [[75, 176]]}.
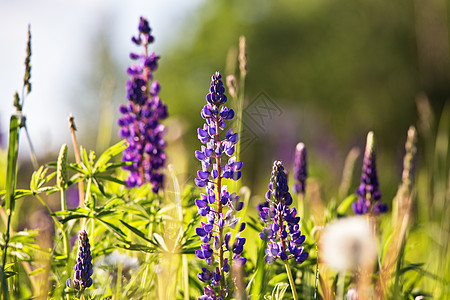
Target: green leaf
{"points": [[104, 212], [137, 247], [137, 232], [4, 283], [118, 165], [279, 290], [160, 240], [110, 178], [259, 283], [21, 193], [77, 168], [105, 157], [101, 187], [11, 169], [37, 271], [85, 164], [345, 204], [78, 210], [74, 217], [278, 278], [113, 228]]}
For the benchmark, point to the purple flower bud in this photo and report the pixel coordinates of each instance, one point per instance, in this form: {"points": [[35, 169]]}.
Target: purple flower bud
{"points": [[368, 192], [300, 173], [277, 215], [83, 268]]}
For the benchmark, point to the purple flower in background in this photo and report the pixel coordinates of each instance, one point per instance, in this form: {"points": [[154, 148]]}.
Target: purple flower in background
{"points": [[140, 121], [83, 268], [282, 230], [300, 173], [217, 204], [368, 192]]}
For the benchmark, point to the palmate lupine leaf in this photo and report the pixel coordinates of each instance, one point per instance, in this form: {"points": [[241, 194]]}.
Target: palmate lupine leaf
{"points": [[39, 179]]}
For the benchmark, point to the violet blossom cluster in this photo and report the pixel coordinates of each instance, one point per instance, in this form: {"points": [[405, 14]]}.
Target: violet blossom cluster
{"points": [[282, 229], [83, 267], [217, 204], [368, 191], [300, 173], [140, 121]]}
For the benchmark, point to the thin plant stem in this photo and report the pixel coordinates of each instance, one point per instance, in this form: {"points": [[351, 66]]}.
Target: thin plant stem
{"points": [[76, 149], [32, 151], [241, 97], [240, 107], [185, 276], [291, 280], [316, 285], [301, 205], [63, 200], [26, 265]]}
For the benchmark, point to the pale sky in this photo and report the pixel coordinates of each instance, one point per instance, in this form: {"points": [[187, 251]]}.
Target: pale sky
{"points": [[61, 33]]}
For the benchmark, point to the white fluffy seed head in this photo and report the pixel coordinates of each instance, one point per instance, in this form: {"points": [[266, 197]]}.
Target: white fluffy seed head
{"points": [[348, 244]]}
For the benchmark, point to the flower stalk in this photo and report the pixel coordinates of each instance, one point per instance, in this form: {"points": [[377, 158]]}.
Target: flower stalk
{"points": [[140, 121], [282, 229], [368, 191], [217, 204]]}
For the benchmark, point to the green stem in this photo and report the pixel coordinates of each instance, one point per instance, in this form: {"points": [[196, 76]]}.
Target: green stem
{"points": [[11, 176], [63, 199], [316, 286], [60, 226], [185, 276], [5, 250], [301, 206], [32, 151], [240, 107], [341, 285], [291, 280]]}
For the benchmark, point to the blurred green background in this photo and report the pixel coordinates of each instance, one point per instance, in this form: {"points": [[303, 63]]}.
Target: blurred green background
{"points": [[335, 69]]}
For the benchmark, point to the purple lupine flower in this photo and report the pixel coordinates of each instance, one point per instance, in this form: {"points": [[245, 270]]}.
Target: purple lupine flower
{"points": [[217, 204], [282, 230], [83, 268], [300, 173], [368, 192], [140, 121]]}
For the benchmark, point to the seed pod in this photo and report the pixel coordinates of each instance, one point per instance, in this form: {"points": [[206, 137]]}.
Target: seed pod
{"points": [[61, 171]]}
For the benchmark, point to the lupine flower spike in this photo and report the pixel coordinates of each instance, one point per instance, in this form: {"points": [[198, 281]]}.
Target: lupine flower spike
{"points": [[368, 192], [83, 268], [140, 121], [282, 230], [217, 204], [300, 175]]}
